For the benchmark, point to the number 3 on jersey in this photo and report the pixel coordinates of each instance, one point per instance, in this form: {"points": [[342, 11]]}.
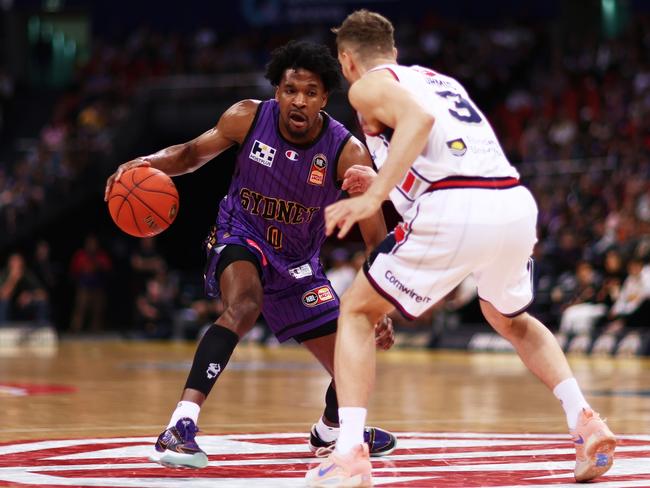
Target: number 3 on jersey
{"points": [[465, 111]]}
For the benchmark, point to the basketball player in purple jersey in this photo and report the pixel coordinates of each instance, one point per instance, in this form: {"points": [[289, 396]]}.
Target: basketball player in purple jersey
{"points": [[263, 255]]}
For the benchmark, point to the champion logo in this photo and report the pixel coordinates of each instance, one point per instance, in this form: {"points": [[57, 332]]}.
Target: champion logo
{"points": [[292, 155]]}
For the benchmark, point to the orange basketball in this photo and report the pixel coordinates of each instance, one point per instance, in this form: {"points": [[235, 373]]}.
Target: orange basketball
{"points": [[144, 202]]}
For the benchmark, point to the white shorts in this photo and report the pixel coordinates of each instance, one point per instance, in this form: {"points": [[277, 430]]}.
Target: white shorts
{"points": [[450, 234]]}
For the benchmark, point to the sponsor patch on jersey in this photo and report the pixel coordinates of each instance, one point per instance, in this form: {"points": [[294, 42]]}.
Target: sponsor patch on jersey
{"points": [[318, 170], [457, 147], [301, 271], [317, 296], [262, 153], [292, 155]]}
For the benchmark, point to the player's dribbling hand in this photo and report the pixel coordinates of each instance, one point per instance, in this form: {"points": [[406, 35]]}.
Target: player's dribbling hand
{"points": [[134, 163], [384, 333], [358, 178]]}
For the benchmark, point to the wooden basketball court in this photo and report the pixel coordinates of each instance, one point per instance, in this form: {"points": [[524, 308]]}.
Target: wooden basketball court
{"points": [[123, 393]]}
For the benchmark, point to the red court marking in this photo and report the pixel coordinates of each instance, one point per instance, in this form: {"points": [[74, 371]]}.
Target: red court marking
{"points": [[27, 389], [280, 460]]}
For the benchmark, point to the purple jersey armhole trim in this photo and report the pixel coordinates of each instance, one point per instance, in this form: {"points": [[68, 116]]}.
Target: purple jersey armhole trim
{"points": [[251, 128], [335, 173]]}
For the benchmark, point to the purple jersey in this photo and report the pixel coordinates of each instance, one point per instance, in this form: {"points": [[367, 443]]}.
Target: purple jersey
{"points": [[274, 208], [279, 190]]}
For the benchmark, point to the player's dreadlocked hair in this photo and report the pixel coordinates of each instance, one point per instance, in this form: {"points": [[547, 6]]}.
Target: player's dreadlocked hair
{"points": [[306, 55]]}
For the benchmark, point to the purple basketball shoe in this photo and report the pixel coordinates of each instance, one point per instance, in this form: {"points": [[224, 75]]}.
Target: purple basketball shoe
{"points": [[178, 448], [380, 442]]}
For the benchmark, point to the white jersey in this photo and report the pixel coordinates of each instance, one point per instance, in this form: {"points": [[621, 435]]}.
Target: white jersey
{"points": [[461, 144]]}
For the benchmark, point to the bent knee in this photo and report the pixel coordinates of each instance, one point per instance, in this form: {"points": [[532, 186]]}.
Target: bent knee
{"points": [[511, 327], [240, 316], [351, 305], [348, 305], [500, 322]]}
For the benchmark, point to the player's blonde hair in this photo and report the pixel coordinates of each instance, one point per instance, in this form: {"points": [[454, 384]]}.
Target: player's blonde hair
{"points": [[369, 34]]}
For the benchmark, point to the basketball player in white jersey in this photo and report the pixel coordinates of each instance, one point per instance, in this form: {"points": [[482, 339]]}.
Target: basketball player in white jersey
{"points": [[464, 213]]}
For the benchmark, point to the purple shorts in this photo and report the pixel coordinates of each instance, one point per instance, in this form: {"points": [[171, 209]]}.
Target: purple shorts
{"points": [[298, 297]]}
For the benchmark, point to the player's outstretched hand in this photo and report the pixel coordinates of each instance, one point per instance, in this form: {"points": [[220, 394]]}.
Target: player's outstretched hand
{"points": [[134, 163], [384, 333], [345, 213], [358, 178]]}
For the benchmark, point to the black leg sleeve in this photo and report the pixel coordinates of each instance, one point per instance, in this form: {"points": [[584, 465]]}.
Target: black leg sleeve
{"points": [[331, 405], [211, 357]]}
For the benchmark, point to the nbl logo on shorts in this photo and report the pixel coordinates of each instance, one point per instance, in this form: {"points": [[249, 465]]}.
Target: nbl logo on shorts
{"points": [[262, 153], [317, 296]]}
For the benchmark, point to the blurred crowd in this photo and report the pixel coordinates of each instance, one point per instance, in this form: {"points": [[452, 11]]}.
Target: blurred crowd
{"points": [[580, 100], [52, 167], [102, 284]]}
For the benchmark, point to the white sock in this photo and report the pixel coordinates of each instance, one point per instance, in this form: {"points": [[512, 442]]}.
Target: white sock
{"points": [[352, 421], [185, 409], [572, 400], [325, 432]]}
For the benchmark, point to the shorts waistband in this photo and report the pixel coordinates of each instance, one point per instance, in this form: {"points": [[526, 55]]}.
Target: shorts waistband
{"points": [[488, 183]]}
